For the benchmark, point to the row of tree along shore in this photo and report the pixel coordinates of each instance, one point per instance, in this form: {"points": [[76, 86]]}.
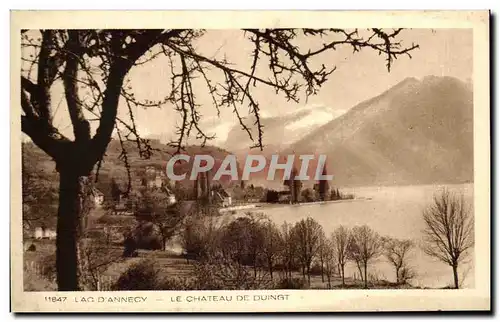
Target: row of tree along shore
{"points": [[253, 252]]}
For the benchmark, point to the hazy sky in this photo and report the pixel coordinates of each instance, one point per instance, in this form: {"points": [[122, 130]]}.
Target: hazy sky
{"points": [[443, 52]]}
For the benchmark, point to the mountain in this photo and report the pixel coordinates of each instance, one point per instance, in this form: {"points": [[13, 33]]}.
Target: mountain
{"points": [[417, 132], [279, 131]]}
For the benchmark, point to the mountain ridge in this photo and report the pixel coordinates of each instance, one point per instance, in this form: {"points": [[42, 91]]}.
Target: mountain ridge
{"points": [[428, 120]]}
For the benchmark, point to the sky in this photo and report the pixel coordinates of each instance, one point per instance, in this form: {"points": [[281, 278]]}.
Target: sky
{"points": [[359, 76]]}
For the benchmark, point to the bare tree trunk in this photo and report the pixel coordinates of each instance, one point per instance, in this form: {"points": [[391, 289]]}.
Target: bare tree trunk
{"points": [[328, 275], [164, 240], [322, 272], [309, 275], [342, 272], [71, 223], [366, 280], [455, 275], [358, 264]]}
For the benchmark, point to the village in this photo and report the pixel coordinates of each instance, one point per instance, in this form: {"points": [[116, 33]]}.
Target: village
{"points": [[120, 203], [237, 196]]}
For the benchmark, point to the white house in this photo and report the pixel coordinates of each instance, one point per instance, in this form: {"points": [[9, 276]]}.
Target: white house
{"points": [[171, 199], [98, 197], [154, 177], [222, 197], [170, 195], [44, 233], [38, 233], [50, 234]]}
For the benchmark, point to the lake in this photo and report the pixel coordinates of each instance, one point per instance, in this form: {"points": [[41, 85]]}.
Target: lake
{"points": [[394, 211]]}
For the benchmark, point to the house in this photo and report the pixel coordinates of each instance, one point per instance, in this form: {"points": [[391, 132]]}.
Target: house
{"points": [[170, 195], [44, 233], [154, 177], [50, 234], [171, 199], [98, 197], [38, 233], [222, 197]]}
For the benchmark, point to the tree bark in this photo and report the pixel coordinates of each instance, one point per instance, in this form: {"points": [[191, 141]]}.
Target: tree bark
{"points": [[342, 273], [366, 280], [360, 270], [455, 275], [322, 273], [71, 224], [164, 240]]}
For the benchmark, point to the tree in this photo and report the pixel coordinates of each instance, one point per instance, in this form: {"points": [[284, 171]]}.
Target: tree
{"points": [[329, 259], [340, 240], [116, 194], [200, 237], [272, 196], [323, 253], [307, 234], [308, 195], [364, 245], [294, 186], [323, 186], [242, 241], [288, 250], [92, 66], [397, 252], [98, 256], [449, 230], [272, 243], [155, 207]]}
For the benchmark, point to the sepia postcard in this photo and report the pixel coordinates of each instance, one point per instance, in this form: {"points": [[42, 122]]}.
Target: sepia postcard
{"points": [[250, 161]]}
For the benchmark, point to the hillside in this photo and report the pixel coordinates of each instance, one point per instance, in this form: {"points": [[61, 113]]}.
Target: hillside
{"points": [[417, 132], [113, 167]]}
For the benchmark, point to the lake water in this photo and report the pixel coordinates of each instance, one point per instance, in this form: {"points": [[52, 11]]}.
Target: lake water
{"points": [[391, 211]]}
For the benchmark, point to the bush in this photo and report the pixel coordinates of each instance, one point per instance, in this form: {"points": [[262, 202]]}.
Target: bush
{"points": [[199, 237], [141, 276], [150, 243], [129, 246], [145, 276], [315, 270], [175, 284], [48, 266], [291, 284], [34, 283], [220, 273], [146, 237], [308, 195], [271, 196], [241, 240]]}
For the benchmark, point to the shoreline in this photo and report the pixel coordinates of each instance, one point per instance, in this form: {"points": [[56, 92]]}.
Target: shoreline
{"points": [[265, 205]]}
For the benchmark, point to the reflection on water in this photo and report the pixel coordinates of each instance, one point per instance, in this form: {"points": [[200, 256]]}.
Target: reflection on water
{"points": [[393, 211]]}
